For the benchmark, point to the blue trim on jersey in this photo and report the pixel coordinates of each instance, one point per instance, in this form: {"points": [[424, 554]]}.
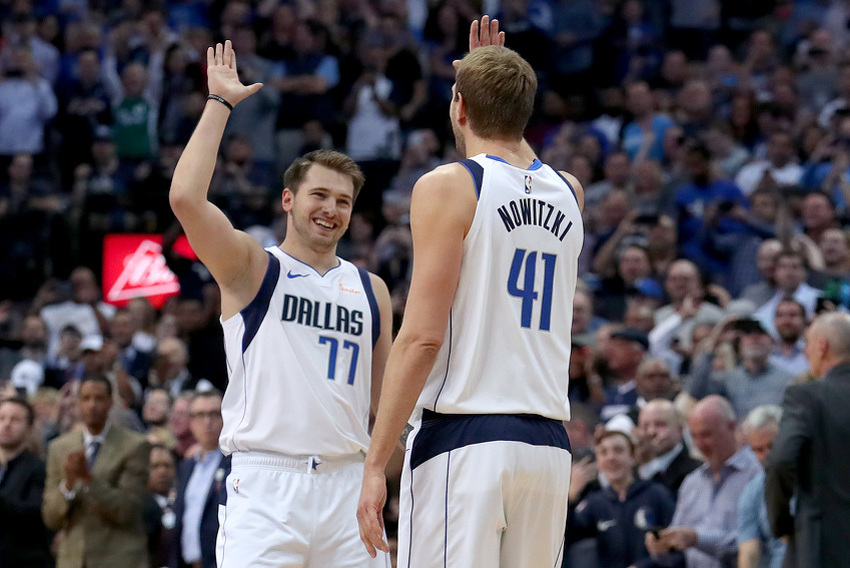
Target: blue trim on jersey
{"points": [[254, 313], [442, 433], [568, 183], [448, 362], [310, 267], [535, 165], [446, 518], [373, 305], [476, 170]]}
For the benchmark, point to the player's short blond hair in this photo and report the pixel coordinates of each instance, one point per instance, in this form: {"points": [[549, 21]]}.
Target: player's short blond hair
{"points": [[498, 88], [331, 159]]}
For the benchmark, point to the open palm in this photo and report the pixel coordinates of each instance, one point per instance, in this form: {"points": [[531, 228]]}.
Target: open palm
{"points": [[222, 77]]}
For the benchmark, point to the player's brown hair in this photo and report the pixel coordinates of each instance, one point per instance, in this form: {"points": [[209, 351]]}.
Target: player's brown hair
{"points": [[330, 159]]}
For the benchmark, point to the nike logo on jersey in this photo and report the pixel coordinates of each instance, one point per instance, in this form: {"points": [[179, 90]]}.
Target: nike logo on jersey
{"points": [[291, 275], [603, 526]]}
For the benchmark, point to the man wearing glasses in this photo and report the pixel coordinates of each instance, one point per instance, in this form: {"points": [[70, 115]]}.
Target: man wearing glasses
{"points": [[200, 486]]}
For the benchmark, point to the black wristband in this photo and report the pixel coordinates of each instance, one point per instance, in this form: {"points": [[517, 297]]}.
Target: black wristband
{"points": [[222, 100]]}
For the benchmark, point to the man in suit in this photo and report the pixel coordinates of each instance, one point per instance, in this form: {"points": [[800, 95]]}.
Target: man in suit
{"points": [[97, 476], [200, 487], [660, 433], [809, 455], [23, 538]]}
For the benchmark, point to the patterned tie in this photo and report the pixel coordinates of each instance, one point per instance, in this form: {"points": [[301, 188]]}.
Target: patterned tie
{"points": [[94, 448]]}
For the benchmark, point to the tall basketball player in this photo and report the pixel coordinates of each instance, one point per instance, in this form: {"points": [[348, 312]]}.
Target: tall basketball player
{"points": [[306, 336], [482, 355]]}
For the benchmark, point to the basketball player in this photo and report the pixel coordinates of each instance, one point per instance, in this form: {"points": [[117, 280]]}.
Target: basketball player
{"points": [[306, 338], [483, 352]]}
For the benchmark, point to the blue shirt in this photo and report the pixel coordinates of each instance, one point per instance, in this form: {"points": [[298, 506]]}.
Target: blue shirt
{"points": [[710, 507], [197, 490], [753, 524], [633, 138]]}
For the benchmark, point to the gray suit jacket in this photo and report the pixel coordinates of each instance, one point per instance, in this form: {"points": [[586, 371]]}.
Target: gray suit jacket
{"points": [[102, 526], [811, 458]]}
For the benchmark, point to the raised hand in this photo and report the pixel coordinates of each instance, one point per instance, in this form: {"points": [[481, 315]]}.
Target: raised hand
{"points": [[222, 77], [485, 33]]}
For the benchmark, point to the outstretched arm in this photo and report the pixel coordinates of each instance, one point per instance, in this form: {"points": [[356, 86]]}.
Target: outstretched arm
{"points": [[236, 261]]}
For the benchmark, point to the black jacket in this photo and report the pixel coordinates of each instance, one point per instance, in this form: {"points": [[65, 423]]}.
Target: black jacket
{"points": [[620, 526], [23, 536], [811, 457]]}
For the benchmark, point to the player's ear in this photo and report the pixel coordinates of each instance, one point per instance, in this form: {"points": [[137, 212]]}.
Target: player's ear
{"points": [[286, 199]]}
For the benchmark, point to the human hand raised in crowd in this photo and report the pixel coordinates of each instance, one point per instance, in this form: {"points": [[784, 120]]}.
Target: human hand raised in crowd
{"points": [[222, 75]]}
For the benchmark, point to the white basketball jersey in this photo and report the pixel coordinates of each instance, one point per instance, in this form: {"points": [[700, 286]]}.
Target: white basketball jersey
{"points": [[507, 346], [299, 357]]}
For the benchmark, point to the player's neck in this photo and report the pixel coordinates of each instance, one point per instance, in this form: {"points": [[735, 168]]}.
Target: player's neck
{"points": [[320, 261], [508, 150]]}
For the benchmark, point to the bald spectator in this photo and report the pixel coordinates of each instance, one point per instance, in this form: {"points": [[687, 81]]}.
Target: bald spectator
{"points": [[809, 455], [704, 528], [660, 432], [757, 545]]}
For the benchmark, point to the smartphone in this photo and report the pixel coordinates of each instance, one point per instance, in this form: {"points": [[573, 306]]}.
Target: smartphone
{"points": [[647, 219], [655, 530]]}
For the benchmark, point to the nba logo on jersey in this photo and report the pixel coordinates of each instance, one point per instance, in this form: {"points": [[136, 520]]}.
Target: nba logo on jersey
{"points": [[528, 184]]}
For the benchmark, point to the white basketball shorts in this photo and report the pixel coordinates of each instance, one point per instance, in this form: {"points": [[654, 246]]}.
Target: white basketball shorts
{"points": [[290, 512], [486, 491]]}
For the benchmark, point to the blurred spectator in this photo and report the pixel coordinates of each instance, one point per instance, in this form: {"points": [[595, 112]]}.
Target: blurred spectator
{"points": [[704, 527], [660, 433], [169, 371], [693, 201], [256, 116], [755, 381], [200, 487], [304, 78], [688, 306], [83, 106], [790, 276], [619, 514], [134, 361], [791, 322], [27, 103], [624, 353], [159, 514], [23, 537], [757, 545], [644, 136], [32, 347], [179, 422], [96, 480], [616, 172], [779, 169], [155, 415], [762, 290]]}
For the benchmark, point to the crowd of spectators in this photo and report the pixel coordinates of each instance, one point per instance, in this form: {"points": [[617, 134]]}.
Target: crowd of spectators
{"points": [[712, 138]]}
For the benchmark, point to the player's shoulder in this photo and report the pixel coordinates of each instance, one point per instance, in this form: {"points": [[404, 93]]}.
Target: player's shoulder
{"points": [[575, 184]]}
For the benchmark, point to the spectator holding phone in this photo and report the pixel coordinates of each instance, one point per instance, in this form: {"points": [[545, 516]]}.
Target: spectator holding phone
{"points": [[619, 514]]}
